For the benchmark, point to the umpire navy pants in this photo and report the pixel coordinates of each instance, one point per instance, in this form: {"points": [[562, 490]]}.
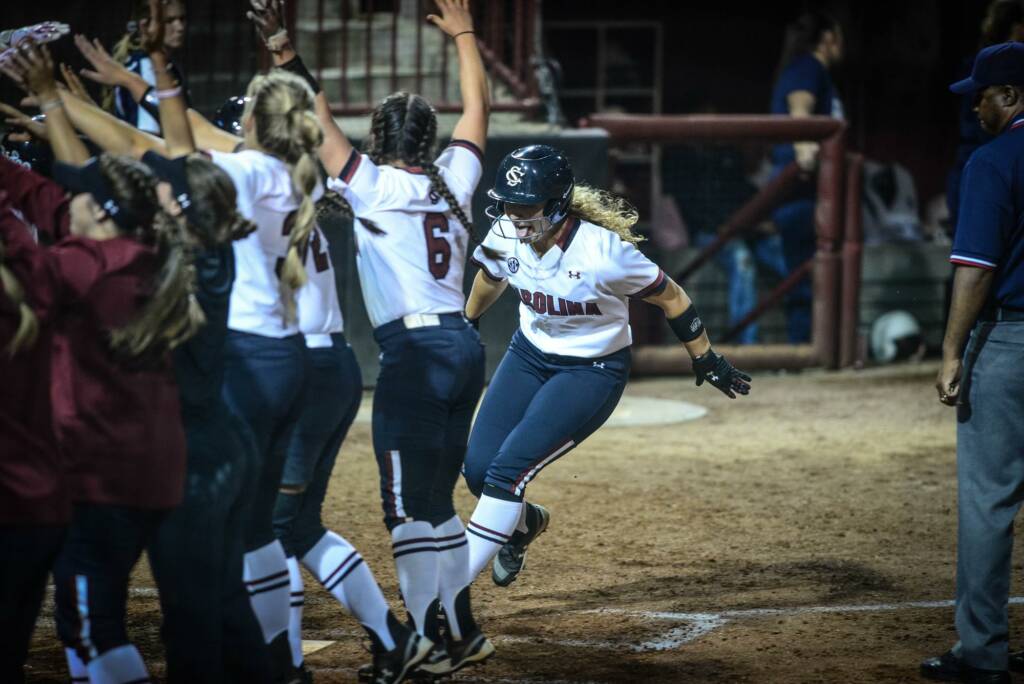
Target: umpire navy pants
{"points": [[264, 385], [332, 401], [430, 382], [209, 630], [990, 479], [538, 408]]}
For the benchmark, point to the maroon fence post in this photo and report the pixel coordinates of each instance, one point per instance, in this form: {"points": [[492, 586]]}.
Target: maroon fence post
{"points": [[853, 247], [828, 225]]}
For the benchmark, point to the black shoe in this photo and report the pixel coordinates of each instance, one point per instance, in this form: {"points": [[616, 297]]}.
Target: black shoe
{"points": [[1017, 661], [474, 649], [391, 667], [950, 668], [511, 558]]}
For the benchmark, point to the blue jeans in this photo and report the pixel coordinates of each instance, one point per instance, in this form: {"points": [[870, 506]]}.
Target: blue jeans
{"points": [[538, 408], [335, 389], [795, 223], [264, 385], [429, 384], [740, 264]]}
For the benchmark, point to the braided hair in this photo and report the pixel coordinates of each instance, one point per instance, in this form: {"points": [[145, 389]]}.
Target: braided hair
{"points": [[171, 314], [404, 129]]}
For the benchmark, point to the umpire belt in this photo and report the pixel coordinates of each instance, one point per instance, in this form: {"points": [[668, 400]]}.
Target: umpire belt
{"points": [[453, 321]]}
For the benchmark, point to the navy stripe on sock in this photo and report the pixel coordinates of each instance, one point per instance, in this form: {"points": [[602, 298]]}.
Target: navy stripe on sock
{"points": [[406, 542], [354, 554], [283, 573], [460, 535], [345, 574], [272, 587], [464, 542], [499, 542], [421, 549]]}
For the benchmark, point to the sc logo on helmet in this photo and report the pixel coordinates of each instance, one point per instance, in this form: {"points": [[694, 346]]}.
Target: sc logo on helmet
{"points": [[514, 176]]}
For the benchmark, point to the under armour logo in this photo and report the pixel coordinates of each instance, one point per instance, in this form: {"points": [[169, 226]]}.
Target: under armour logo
{"points": [[183, 201], [111, 207], [514, 176], [599, 364], [574, 274]]}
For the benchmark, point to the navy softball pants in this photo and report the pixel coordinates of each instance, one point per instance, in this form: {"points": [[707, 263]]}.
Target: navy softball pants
{"points": [[538, 407], [430, 382], [332, 401]]}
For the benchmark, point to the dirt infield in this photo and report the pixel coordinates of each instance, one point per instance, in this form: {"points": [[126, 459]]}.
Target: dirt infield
{"points": [[777, 539]]}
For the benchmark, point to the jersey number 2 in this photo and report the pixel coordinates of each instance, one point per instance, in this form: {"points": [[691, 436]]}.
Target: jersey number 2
{"points": [[439, 252]]}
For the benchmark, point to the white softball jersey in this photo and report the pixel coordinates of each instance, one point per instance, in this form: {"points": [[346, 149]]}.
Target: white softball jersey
{"points": [[317, 301], [265, 197], [416, 265], [573, 300]]}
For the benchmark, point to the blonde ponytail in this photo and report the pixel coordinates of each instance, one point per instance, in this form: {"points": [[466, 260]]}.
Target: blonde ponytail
{"points": [[604, 209], [28, 325], [281, 105]]}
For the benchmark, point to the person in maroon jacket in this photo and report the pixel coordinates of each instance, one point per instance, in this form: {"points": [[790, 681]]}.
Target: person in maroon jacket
{"points": [[34, 504], [121, 284]]}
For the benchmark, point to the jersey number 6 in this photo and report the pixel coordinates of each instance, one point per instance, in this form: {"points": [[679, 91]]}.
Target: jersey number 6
{"points": [[439, 252]]}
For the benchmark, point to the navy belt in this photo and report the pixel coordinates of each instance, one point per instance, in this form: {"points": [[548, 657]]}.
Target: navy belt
{"points": [[453, 321], [1001, 314]]}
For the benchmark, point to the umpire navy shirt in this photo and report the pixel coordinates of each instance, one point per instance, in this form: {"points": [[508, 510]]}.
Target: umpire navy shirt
{"points": [[990, 227]]}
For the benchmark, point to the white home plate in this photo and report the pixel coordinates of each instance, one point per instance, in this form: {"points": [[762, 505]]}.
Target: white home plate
{"points": [[309, 646], [631, 412]]}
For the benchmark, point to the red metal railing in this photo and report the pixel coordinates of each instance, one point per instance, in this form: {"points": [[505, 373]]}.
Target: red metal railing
{"points": [[836, 272], [506, 34]]}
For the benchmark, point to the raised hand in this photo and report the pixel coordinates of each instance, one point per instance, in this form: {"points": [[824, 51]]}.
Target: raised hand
{"points": [[455, 17], [31, 67], [16, 117], [151, 30], [44, 32], [74, 84], [105, 69], [267, 15]]}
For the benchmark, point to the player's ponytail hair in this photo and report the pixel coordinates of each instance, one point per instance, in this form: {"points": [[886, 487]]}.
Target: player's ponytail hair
{"points": [[404, 128], [281, 105], [214, 219], [171, 314], [604, 209], [28, 325]]}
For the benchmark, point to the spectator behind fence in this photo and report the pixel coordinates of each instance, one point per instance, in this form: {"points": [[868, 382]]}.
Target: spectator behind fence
{"points": [[1003, 22], [137, 104], [709, 183], [803, 87]]}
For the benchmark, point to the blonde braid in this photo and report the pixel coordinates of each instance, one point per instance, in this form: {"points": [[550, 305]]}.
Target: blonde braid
{"points": [[604, 209]]}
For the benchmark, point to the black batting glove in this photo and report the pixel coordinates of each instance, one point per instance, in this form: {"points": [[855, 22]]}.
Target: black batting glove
{"points": [[713, 368]]}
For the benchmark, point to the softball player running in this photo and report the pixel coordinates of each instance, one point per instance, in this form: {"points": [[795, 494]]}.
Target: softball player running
{"points": [[411, 234], [571, 258]]}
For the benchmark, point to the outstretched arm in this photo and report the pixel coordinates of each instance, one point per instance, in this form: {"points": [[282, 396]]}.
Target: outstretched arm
{"points": [[31, 67], [457, 22], [268, 15], [173, 111], [110, 133]]}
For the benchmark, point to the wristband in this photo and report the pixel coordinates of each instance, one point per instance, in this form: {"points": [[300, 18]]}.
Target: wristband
{"points": [[276, 42], [296, 67], [168, 94], [687, 326], [51, 105], [461, 33]]}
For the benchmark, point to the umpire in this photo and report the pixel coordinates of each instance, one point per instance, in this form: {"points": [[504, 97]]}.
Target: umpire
{"points": [[986, 384]]}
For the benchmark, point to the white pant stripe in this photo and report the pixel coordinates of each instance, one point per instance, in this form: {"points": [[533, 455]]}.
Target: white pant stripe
{"points": [[396, 483], [540, 466], [85, 631]]}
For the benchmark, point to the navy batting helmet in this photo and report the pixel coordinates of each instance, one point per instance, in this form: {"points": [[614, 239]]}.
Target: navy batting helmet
{"points": [[537, 174], [229, 116]]}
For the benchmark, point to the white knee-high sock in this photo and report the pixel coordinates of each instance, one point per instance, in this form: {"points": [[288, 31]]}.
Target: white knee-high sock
{"points": [[453, 556], [417, 563], [298, 600], [493, 522], [266, 579], [339, 567], [79, 673], [118, 666]]}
